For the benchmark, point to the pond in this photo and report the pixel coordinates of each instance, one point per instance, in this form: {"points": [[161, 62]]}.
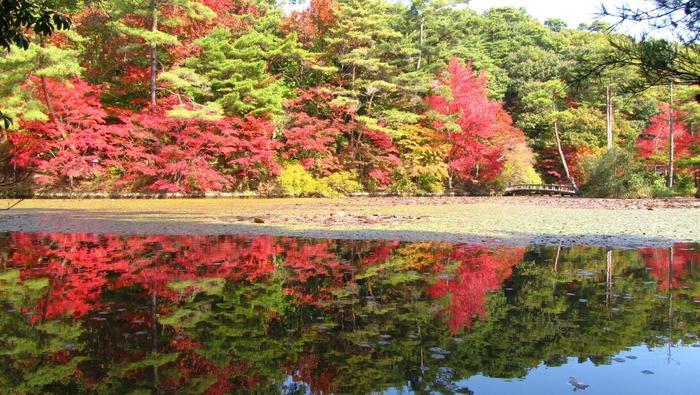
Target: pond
{"points": [[86, 313]]}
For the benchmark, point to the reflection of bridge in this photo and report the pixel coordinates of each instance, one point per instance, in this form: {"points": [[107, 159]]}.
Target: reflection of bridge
{"points": [[540, 189]]}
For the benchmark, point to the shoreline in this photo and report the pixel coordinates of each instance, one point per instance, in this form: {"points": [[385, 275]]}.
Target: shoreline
{"points": [[490, 221]]}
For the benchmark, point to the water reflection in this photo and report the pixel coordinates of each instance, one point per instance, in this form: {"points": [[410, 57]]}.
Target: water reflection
{"points": [[231, 314]]}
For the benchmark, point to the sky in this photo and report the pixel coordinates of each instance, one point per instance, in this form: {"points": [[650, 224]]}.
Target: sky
{"points": [[573, 12]]}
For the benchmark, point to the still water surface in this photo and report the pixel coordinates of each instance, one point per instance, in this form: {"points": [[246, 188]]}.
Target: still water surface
{"points": [[121, 314]]}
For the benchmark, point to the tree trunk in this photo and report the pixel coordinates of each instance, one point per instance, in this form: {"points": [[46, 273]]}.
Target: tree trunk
{"points": [[422, 39], [154, 52], [608, 277], [556, 259], [561, 153], [671, 148], [609, 117], [45, 93], [154, 340]]}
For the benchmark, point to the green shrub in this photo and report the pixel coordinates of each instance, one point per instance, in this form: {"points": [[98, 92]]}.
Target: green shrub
{"points": [[514, 173], [404, 186], [659, 188], [343, 182], [616, 174], [684, 185], [294, 180]]}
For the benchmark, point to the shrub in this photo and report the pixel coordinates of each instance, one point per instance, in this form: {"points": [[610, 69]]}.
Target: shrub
{"points": [[296, 181], [343, 182], [684, 185], [616, 174], [514, 173]]}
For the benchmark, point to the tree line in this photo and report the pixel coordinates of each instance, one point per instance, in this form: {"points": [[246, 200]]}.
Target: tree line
{"points": [[344, 96]]}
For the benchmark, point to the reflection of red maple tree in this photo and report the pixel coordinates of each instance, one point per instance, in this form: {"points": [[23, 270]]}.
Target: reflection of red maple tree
{"points": [[480, 271], [657, 259], [78, 266]]}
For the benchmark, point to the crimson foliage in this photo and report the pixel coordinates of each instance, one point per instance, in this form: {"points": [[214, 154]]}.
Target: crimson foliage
{"points": [[479, 121], [87, 148]]}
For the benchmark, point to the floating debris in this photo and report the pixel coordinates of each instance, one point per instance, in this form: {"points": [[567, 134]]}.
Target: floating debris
{"points": [[384, 336], [383, 342], [365, 345], [577, 384], [631, 357], [647, 372], [438, 357], [621, 360], [445, 371], [438, 350], [458, 340], [583, 300]]}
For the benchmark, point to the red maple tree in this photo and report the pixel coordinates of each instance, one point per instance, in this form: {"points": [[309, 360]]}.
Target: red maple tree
{"points": [[473, 154]]}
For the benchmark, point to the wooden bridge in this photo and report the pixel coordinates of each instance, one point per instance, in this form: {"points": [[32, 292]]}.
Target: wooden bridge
{"points": [[540, 189]]}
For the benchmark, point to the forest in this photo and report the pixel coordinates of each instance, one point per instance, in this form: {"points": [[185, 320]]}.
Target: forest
{"points": [[341, 97]]}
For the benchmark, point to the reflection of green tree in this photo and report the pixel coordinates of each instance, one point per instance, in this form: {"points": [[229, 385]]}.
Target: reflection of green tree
{"points": [[240, 324], [34, 357]]}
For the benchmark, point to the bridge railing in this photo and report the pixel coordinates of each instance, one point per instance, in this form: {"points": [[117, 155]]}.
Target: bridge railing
{"points": [[546, 188]]}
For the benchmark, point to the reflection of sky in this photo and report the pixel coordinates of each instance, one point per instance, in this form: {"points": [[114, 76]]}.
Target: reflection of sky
{"points": [[679, 376]]}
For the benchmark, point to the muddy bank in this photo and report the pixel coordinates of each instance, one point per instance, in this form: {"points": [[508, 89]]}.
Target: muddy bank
{"points": [[491, 221]]}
